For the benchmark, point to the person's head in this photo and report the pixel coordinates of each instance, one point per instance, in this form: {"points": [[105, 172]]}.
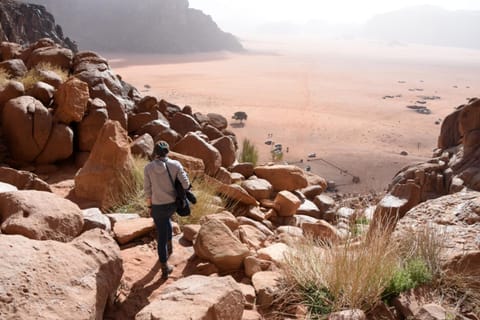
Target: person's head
{"points": [[161, 149]]}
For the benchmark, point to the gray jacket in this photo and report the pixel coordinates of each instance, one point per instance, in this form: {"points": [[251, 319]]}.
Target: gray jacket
{"points": [[157, 185]]}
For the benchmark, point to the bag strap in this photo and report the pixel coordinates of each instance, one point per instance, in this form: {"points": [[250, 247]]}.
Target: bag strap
{"points": [[170, 176]]}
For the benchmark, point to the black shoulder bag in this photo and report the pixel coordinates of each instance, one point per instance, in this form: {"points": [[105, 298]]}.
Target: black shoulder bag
{"points": [[183, 207]]}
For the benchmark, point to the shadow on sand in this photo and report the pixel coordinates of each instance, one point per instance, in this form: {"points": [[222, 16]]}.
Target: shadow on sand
{"points": [[237, 125]]}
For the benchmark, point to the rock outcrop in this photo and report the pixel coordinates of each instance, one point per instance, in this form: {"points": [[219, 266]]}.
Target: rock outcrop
{"points": [[26, 23], [80, 277], [165, 26]]}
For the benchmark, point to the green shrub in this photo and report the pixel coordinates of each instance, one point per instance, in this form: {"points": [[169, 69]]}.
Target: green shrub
{"points": [[413, 274], [249, 152]]}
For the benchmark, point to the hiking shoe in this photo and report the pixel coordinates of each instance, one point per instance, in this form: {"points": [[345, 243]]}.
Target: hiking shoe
{"points": [[166, 270]]}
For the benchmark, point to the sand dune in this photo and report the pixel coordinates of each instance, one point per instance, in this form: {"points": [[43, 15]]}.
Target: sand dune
{"points": [[322, 97]]}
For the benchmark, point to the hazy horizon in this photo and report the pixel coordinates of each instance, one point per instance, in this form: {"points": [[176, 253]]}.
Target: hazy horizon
{"points": [[243, 16]]}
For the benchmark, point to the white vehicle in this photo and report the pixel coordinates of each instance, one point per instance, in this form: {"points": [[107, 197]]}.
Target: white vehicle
{"points": [[312, 155], [278, 146]]}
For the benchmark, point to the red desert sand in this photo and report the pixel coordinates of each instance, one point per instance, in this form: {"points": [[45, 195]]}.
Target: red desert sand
{"points": [[322, 97]]}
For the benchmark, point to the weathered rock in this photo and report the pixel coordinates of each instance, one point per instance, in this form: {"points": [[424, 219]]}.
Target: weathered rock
{"points": [[251, 236], [190, 231], [143, 146], [245, 169], [94, 218], [154, 128], [258, 188], [256, 214], [389, 210], [324, 203], [455, 218], [28, 127], [282, 177], [275, 253], [432, 312], [311, 192], [254, 265], [266, 284], [223, 175], [288, 203], [216, 243], [259, 225], [233, 192], [226, 217], [192, 165], [193, 145], [90, 127], [34, 275], [227, 150], [308, 208], [212, 132], [59, 145], [196, 298], [12, 89], [109, 162], [183, 123], [23, 180], [50, 77], [40, 215], [321, 230], [42, 91], [71, 101], [55, 56], [217, 120], [138, 120], [116, 217], [10, 50], [249, 295], [127, 230], [14, 67]]}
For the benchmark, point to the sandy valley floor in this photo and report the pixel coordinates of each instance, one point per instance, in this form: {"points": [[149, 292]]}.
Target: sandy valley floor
{"points": [[323, 97]]}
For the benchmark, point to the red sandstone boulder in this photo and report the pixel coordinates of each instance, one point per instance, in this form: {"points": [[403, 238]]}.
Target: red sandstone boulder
{"points": [[283, 177], [71, 101], [15, 67], [13, 89], [42, 91], [143, 146], [50, 77], [23, 180], [193, 166], [245, 169], [227, 149], [217, 120], [56, 56], [211, 132], [59, 145], [183, 123], [52, 280], [10, 50], [197, 297], [217, 244], [90, 127], [258, 188], [40, 215], [109, 163], [138, 120], [28, 127], [287, 203], [195, 146]]}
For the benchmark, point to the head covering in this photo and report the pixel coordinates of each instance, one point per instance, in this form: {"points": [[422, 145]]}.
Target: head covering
{"points": [[161, 149]]}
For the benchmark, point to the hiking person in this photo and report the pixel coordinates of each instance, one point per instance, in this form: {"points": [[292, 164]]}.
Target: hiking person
{"points": [[160, 197]]}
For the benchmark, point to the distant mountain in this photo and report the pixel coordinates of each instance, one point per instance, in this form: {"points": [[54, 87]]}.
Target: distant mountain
{"points": [[430, 25], [26, 23], [148, 26]]}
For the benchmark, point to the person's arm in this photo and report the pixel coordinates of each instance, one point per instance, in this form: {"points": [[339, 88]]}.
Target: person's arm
{"points": [[147, 187]]}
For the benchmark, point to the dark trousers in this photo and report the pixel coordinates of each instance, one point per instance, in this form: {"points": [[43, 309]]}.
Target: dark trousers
{"points": [[161, 215]]}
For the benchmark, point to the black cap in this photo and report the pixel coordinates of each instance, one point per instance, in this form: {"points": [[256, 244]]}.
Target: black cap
{"points": [[161, 149]]}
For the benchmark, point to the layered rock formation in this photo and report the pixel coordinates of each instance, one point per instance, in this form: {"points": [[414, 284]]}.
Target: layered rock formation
{"points": [[160, 26], [26, 23]]}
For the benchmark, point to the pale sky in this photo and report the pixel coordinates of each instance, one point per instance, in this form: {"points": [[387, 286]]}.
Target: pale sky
{"points": [[234, 15]]}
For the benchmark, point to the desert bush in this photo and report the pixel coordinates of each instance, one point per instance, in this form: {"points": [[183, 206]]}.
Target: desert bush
{"points": [[249, 152], [408, 276], [129, 196], [4, 76], [33, 75], [331, 278], [207, 202]]}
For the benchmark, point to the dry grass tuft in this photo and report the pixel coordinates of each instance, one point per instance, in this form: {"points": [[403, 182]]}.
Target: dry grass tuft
{"points": [[129, 196], [33, 75], [4, 77]]}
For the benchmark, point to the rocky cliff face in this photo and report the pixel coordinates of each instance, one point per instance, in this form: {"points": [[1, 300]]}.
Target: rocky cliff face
{"points": [[27, 23], [160, 26]]}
